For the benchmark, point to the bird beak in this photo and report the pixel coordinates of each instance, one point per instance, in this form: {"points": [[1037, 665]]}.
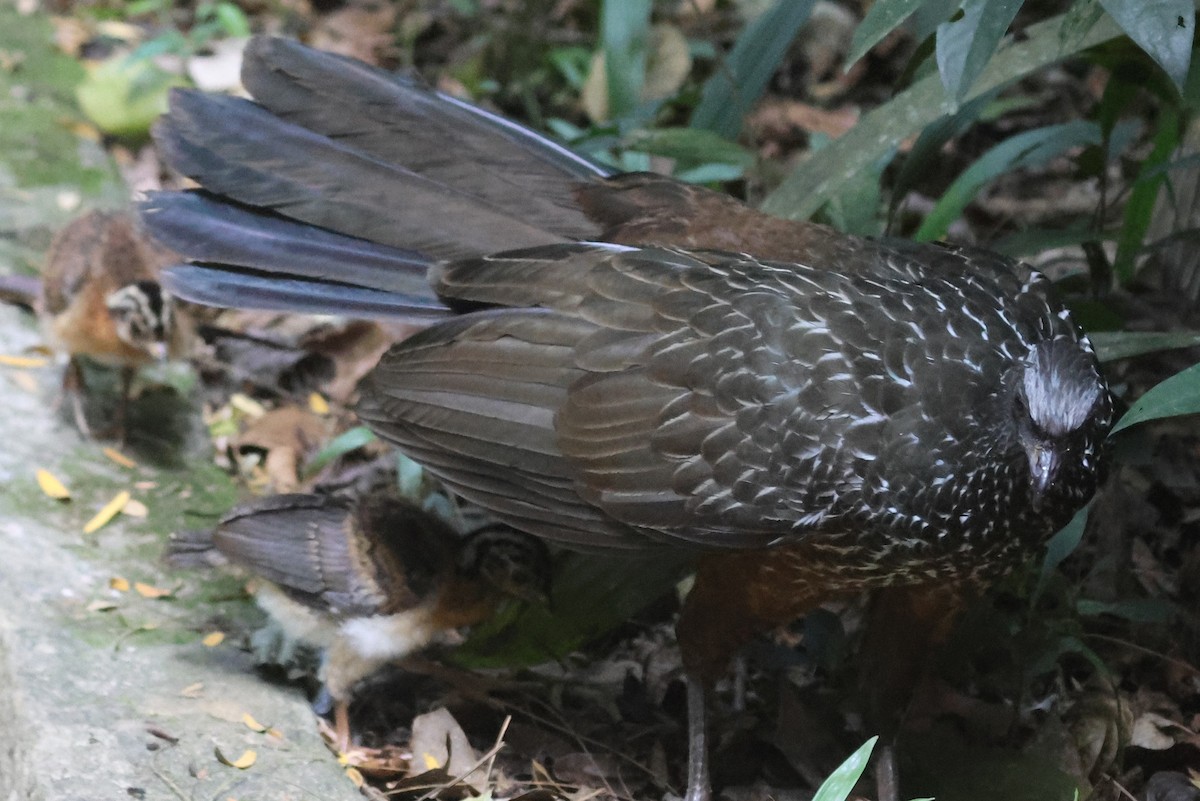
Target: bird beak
{"points": [[1043, 469]]}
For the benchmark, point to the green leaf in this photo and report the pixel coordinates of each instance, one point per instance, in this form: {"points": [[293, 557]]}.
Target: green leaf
{"points": [[1163, 28], [340, 445], [810, 185], [965, 45], [883, 18], [1060, 546], [1113, 345], [1135, 610], [1178, 395], [624, 33], [740, 80], [692, 146], [1144, 198], [591, 594], [841, 782], [1026, 149]]}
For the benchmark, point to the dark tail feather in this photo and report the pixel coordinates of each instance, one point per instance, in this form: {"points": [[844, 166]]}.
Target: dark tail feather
{"points": [[193, 548], [210, 230], [241, 151], [399, 120], [223, 285]]}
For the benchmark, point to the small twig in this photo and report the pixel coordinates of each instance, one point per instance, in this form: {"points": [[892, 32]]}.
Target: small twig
{"points": [[486, 758], [165, 779], [1179, 663]]}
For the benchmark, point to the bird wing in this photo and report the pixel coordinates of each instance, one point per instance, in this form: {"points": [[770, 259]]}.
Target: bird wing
{"points": [[642, 394], [303, 545]]}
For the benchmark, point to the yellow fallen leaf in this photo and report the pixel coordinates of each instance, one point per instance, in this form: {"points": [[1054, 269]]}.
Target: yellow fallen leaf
{"points": [[248, 758], [355, 776], [318, 404], [145, 485], [107, 513], [193, 690], [431, 762], [150, 591], [247, 405], [119, 584], [275, 734], [213, 639], [119, 458], [24, 381], [24, 362], [252, 724], [135, 508], [52, 486], [101, 606]]}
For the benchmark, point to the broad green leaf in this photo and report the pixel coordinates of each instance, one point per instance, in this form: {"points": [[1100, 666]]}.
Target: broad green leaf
{"points": [[1060, 546], [625, 34], [739, 81], [841, 782], [1026, 149], [1177, 395], [340, 445], [591, 593], [692, 146], [1163, 28], [928, 147], [965, 45], [883, 18], [1143, 199], [1113, 345], [810, 185], [1135, 610]]}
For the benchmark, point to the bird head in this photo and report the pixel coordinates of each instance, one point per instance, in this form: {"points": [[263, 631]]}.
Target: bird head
{"points": [[1062, 410], [143, 317], [515, 564]]}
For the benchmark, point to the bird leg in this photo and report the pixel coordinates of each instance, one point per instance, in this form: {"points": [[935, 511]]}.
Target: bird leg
{"points": [[74, 386], [341, 726], [698, 787]]}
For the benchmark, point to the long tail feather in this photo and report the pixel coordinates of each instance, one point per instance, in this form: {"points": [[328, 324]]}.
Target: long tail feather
{"points": [[222, 285]]}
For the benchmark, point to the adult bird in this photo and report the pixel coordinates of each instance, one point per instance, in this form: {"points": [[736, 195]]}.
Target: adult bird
{"points": [[627, 361]]}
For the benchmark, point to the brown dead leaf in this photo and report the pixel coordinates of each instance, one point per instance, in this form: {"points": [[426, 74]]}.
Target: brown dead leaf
{"points": [[287, 435], [119, 584], [359, 30], [781, 120], [193, 690], [213, 639]]}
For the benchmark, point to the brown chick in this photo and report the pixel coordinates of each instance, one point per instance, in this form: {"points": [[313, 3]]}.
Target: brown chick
{"points": [[101, 299], [372, 581]]}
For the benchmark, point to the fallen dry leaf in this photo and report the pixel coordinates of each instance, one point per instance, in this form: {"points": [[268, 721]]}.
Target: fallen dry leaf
{"points": [[193, 690], [51, 486], [118, 457], [101, 606], [355, 776], [119, 584], [248, 758], [23, 362], [107, 513], [317, 404], [213, 639], [150, 591], [24, 381], [252, 724], [135, 508]]}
